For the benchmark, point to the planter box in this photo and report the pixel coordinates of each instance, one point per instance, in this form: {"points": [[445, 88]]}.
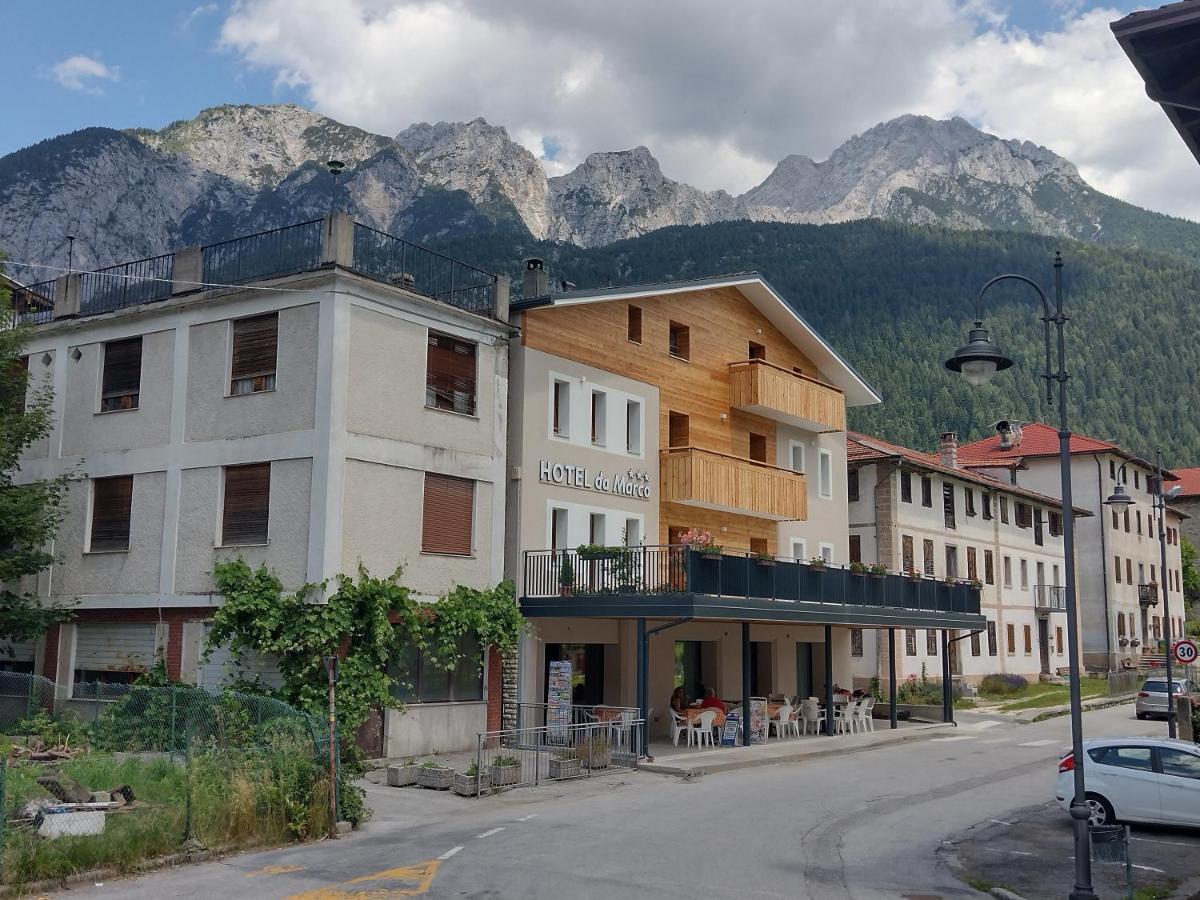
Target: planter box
{"points": [[765, 563], [883, 711], [564, 768], [599, 759], [501, 776], [399, 776], [439, 778], [468, 786], [625, 760], [920, 711]]}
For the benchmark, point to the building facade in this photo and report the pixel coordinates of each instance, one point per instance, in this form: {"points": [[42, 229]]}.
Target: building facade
{"points": [[924, 513], [325, 409], [1121, 582]]}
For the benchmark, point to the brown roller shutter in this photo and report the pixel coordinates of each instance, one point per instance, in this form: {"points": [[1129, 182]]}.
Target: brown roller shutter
{"points": [[246, 513], [450, 374], [122, 379], [255, 346], [112, 500], [447, 520]]}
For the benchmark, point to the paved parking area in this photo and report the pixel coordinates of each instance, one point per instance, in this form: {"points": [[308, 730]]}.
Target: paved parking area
{"points": [[1030, 852]]}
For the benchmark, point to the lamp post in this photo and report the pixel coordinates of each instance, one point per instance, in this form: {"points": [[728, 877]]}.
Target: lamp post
{"points": [[1120, 498], [978, 360]]}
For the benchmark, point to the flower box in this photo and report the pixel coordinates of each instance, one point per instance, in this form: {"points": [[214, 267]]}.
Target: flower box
{"points": [[402, 775], [564, 768], [438, 778], [710, 554], [504, 774], [469, 785], [624, 759], [765, 562]]}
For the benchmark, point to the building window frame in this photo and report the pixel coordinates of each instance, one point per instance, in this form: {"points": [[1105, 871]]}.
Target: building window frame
{"points": [[243, 377]]}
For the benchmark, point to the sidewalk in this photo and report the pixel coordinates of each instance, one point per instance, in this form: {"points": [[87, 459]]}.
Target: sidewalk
{"points": [[671, 760], [1026, 716]]}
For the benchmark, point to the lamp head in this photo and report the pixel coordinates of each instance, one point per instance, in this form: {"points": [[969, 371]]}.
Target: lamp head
{"points": [[978, 359], [1173, 492], [1119, 497]]}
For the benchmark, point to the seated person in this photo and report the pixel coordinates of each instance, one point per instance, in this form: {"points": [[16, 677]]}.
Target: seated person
{"points": [[678, 700], [712, 701]]}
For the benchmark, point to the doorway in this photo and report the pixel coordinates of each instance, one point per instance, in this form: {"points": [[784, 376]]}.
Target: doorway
{"points": [[761, 657], [1044, 644], [804, 670], [587, 671]]}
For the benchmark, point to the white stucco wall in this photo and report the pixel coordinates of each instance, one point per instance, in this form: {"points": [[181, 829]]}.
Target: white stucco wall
{"points": [[828, 518]]}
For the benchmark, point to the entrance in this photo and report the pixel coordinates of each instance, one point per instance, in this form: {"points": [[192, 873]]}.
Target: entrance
{"points": [[1044, 644], [760, 668], [804, 670], [587, 671]]}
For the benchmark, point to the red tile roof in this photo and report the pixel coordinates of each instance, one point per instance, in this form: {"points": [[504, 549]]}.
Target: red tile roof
{"points": [[1189, 480], [1037, 439]]}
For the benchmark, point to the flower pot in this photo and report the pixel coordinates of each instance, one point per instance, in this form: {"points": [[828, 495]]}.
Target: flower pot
{"points": [[468, 785], [501, 776], [564, 592], [564, 768], [438, 778], [402, 775], [710, 555], [765, 563], [879, 575]]}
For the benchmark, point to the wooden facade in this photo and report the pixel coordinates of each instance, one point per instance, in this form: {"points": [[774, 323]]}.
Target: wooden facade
{"points": [[763, 388], [696, 477]]}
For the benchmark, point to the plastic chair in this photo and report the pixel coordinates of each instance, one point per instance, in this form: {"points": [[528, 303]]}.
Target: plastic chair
{"points": [[846, 721], [865, 720], [679, 724], [702, 728], [810, 714], [782, 722]]}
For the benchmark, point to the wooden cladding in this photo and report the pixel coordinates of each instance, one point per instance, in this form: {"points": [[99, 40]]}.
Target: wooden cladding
{"points": [[112, 504], [255, 352], [767, 390], [717, 481], [245, 515], [447, 521], [121, 378]]}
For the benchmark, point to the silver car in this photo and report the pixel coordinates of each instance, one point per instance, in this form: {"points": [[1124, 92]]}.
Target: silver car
{"points": [[1152, 698]]}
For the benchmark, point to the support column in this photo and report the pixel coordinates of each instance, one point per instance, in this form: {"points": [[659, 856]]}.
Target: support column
{"points": [[947, 685], [643, 653], [891, 633], [745, 684], [829, 679]]}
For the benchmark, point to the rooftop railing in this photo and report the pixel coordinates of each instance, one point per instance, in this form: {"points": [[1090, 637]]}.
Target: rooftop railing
{"points": [[267, 254], [34, 303], [126, 284]]}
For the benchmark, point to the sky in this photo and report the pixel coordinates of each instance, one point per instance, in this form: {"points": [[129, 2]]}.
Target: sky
{"points": [[718, 91]]}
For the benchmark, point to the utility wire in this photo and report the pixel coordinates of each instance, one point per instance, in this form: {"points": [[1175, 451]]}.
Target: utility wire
{"points": [[147, 278]]}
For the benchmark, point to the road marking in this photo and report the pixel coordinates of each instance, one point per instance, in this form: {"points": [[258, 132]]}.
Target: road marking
{"points": [[1042, 743], [1171, 843], [997, 741], [1148, 869], [274, 870], [527, 818], [490, 833], [1001, 822], [947, 740], [449, 853], [419, 878]]}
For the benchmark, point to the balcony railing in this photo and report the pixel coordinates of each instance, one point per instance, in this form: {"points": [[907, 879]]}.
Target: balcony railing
{"points": [[1148, 594], [767, 390], [623, 571], [1049, 598], [126, 284], [34, 303], [733, 484]]}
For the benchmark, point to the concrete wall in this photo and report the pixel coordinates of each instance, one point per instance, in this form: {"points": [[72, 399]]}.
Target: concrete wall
{"points": [[828, 519], [425, 728]]}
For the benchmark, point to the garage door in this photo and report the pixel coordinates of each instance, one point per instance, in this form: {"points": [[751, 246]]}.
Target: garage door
{"points": [[221, 668], [114, 648], [16, 656]]}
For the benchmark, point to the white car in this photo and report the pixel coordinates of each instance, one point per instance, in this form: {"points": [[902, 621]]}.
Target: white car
{"points": [[1154, 780]]}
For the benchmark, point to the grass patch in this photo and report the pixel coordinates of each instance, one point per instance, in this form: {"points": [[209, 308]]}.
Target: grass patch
{"points": [[980, 884], [1040, 695], [1154, 891], [964, 703]]}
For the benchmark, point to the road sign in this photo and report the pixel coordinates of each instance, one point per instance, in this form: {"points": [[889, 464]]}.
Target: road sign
{"points": [[1185, 652]]}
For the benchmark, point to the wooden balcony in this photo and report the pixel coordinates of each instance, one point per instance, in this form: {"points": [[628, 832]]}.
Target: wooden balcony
{"points": [[759, 387], [732, 484]]}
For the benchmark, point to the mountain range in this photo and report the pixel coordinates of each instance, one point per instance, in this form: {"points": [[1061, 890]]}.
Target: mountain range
{"points": [[238, 169]]}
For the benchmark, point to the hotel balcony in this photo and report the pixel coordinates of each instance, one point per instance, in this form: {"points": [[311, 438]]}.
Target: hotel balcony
{"points": [[759, 387], [732, 484]]}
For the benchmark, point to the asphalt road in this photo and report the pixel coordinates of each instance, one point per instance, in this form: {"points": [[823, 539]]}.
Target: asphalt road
{"points": [[864, 826]]}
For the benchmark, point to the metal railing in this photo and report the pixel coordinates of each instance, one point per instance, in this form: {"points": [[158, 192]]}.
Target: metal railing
{"points": [[34, 303], [126, 284], [385, 257], [268, 254], [1148, 594], [679, 569], [1049, 598], [522, 757], [537, 715]]}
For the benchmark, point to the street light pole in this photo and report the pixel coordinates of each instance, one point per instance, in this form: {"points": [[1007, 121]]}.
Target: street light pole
{"points": [[1160, 504], [978, 360]]}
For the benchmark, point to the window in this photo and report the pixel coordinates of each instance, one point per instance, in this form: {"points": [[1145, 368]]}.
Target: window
{"points": [[561, 411], [447, 518], [678, 429], [827, 553], [1055, 576], [596, 529], [758, 447], [1008, 571], [1138, 514], [975, 649], [1027, 633], [927, 556], [910, 642], [680, 345], [989, 567], [1120, 625], [1058, 639], [797, 456], [930, 642], [856, 642], [1129, 571], [1112, 469], [927, 491], [416, 678], [558, 528], [245, 514], [1149, 525], [633, 427], [1004, 510], [255, 346], [756, 351], [948, 504], [951, 561], [855, 548], [1056, 524], [800, 549], [852, 485], [449, 374], [632, 532], [972, 564], [1116, 516], [987, 505], [634, 332], [1037, 527], [121, 380], [1137, 478], [1179, 763], [1022, 515], [969, 500], [825, 474], [1024, 575], [1124, 757], [112, 500], [906, 553], [906, 487], [599, 418], [1010, 633], [1125, 516], [991, 636], [1117, 567]]}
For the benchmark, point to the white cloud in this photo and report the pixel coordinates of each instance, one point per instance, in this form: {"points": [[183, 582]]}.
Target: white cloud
{"points": [[81, 73], [720, 91], [198, 12]]}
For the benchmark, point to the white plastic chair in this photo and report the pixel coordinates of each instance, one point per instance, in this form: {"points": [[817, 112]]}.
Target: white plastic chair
{"points": [[864, 719], [847, 720], [679, 725], [702, 728], [810, 714], [783, 721]]}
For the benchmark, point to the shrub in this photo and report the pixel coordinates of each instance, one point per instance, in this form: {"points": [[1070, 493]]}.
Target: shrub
{"points": [[1002, 685]]}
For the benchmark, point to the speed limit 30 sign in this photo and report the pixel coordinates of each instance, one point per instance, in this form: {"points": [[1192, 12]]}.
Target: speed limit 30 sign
{"points": [[1185, 652]]}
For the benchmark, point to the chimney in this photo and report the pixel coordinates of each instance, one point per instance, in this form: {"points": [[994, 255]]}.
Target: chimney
{"points": [[535, 283], [1010, 434], [948, 449]]}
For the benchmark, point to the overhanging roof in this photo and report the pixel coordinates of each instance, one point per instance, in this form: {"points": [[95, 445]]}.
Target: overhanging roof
{"points": [[764, 298]]}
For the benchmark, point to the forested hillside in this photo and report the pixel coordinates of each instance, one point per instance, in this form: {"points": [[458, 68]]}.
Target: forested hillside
{"points": [[897, 300]]}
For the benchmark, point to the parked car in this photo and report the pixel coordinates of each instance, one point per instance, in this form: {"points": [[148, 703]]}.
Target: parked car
{"points": [[1152, 698], [1155, 780]]}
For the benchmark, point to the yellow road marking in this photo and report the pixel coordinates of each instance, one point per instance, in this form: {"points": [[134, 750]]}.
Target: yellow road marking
{"points": [[274, 870], [420, 877]]}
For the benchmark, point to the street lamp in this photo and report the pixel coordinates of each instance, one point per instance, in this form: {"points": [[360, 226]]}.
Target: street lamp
{"points": [[978, 360]]}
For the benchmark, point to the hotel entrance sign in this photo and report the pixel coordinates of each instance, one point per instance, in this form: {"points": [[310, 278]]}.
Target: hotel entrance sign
{"points": [[631, 483]]}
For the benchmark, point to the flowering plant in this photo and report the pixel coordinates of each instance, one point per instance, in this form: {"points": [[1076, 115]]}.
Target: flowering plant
{"points": [[695, 539]]}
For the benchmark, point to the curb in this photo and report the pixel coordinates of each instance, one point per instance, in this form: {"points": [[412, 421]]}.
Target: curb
{"points": [[96, 875], [1087, 707], [1003, 894]]}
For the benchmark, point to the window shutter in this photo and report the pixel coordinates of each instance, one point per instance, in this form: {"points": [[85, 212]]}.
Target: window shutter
{"points": [[246, 514], [112, 500], [255, 346], [122, 375], [450, 374], [446, 523]]}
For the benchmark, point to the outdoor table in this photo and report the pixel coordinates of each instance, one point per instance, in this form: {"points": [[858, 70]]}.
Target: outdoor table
{"points": [[607, 714], [692, 712]]}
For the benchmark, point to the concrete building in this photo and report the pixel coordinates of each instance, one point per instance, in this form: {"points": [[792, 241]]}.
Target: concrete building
{"points": [[673, 448], [341, 400], [924, 513], [1120, 582]]}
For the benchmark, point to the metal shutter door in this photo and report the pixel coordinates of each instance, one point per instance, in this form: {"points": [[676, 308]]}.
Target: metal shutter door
{"points": [[117, 648], [220, 668]]}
